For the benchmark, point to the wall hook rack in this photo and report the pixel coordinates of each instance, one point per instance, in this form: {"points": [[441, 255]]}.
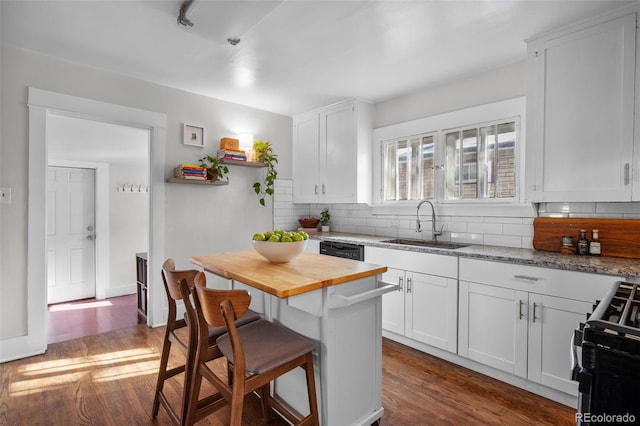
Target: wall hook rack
{"points": [[133, 187]]}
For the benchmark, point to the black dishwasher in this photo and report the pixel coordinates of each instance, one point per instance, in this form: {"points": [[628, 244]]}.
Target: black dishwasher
{"points": [[339, 249]]}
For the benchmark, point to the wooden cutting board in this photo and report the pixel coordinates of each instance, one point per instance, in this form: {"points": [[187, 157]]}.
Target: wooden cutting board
{"points": [[618, 237]]}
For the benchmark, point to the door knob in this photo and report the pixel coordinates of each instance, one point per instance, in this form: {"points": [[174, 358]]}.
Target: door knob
{"points": [[91, 237], [90, 228]]}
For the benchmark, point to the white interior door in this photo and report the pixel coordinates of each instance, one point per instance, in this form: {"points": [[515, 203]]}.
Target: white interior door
{"points": [[70, 234]]}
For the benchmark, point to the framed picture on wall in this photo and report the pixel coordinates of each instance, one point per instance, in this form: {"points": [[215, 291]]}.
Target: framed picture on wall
{"points": [[193, 135]]}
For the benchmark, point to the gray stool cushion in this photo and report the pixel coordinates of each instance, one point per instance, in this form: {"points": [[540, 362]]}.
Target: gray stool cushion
{"points": [[266, 345]]}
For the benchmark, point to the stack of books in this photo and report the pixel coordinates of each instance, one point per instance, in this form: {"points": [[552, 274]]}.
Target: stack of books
{"points": [[190, 171], [232, 154]]}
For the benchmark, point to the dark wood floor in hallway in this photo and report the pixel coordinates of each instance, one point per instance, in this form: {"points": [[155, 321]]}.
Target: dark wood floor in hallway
{"points": [[109, 379], [80, 318]]}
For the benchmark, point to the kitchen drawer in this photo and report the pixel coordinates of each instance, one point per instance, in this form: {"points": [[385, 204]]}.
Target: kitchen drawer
{"points": [[426, 263], [554, 282]]}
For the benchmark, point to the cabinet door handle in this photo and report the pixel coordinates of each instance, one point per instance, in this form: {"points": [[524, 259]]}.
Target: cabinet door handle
{"points": [[316, 190], [408, 285], [533, 317], [526, 277], [626, 174], [400, 284], [323, 189], [520, 314]]}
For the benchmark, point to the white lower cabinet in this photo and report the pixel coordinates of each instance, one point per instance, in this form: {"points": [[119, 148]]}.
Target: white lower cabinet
{"points": [[551, 325], [492, 330], [520, 319], [425, 306]]}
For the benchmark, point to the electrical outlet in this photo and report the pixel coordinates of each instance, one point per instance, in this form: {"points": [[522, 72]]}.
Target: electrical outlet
{"points": [[5, 195]]}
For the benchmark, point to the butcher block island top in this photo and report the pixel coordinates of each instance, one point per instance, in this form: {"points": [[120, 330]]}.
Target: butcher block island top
{"points": [[307, 272]]}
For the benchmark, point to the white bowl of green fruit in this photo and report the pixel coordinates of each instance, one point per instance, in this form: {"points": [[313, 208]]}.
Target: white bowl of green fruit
{"points": [[280, 246]]}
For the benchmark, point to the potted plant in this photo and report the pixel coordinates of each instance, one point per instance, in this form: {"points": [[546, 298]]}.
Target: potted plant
{"points": [[215, 169], [264, 153], [325, 218]]}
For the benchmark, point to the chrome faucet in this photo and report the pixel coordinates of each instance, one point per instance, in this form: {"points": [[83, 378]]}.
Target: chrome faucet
{"points": [[433, 220]]}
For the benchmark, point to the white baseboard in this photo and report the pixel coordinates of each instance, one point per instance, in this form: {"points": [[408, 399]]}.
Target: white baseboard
{"points": [[19, 347]]}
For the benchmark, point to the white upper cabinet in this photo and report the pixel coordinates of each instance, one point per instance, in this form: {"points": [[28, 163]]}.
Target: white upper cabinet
{"points": [[332, 154], [580, 112]]}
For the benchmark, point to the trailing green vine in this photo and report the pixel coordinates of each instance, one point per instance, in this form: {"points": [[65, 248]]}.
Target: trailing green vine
{"points": [[264, 153]]}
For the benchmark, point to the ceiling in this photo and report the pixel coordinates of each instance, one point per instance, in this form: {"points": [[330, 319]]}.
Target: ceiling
{"points": [[293, 55]]}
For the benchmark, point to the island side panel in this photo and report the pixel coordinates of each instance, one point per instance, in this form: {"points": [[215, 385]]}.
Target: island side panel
{"points": [[347, 353]]}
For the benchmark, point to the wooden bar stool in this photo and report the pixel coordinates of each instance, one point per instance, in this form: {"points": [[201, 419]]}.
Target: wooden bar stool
{"points": [[186, 341], [258, 352]]}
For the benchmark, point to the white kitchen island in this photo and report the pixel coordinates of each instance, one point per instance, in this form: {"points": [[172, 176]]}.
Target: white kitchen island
{"points": [[335, 302]]}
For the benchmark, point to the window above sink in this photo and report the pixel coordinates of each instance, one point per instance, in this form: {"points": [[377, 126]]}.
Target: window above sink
{"points": [[451, 170]]}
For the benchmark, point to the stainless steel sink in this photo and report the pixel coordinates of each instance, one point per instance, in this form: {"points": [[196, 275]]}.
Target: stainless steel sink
{"points": [[422, 243]]}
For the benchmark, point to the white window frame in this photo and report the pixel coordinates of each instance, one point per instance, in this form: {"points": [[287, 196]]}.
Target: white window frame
{"points": [[440, 124]]}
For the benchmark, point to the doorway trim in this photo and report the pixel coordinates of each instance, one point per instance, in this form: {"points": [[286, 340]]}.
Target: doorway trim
{"points": [[42, 103], [102, 222]]}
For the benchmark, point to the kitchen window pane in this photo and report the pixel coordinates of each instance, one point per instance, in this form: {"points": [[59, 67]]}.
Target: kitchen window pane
{"points": [[452, 165], [428, 168], [390, 158], [486, 161], [469, 159], [404, 160], [506, 173]]}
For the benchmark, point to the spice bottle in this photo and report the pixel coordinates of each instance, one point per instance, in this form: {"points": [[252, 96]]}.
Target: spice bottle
{"points": [[583, 243], [594, 245], [567, 246]]}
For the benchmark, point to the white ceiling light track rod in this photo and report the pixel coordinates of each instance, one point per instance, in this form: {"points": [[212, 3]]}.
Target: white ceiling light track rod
{"points": [[185, 8]]}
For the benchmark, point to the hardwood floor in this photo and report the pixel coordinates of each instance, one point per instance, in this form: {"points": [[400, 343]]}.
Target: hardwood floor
{"points": [[109, 379]]}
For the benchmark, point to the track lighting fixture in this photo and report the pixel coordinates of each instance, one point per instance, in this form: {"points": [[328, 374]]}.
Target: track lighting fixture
{"points": [[182, 17]]}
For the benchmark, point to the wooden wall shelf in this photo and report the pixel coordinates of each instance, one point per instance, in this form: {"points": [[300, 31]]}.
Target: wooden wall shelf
{"points": [[198, 182], [243, 163]]}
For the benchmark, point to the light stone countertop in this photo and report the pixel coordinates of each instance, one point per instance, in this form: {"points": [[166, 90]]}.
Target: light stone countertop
{"points": [[628, 268]]}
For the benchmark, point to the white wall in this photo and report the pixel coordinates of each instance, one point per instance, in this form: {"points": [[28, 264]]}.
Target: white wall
{"points": [[491, 86], [198, 219], [129, 228]]}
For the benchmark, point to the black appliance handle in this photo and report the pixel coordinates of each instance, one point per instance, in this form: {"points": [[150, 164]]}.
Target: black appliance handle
{"points": [[575, 361]]}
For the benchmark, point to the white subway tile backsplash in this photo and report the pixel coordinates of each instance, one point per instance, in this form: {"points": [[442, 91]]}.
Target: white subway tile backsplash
{"points": [[380, 223], [527, 242], [467, 238], [485, 228], [488, 230], [499, 219], [468, 219], [455, 226], [502, 240], [618, 208], [519, 230]]}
